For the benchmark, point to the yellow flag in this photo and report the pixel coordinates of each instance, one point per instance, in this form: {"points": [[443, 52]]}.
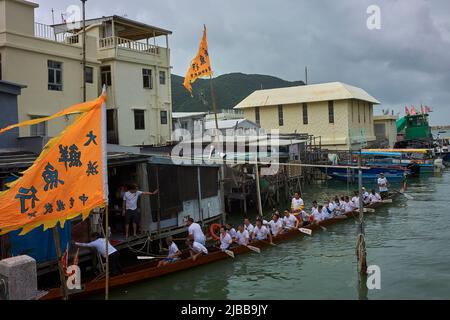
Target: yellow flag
{"points": [[69, 177], [200, 65]]}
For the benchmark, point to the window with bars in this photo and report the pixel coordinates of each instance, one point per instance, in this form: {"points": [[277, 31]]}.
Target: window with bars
{"points": [[39, 129], [280, 115], [105, 73], [163, 117], [89, 74], [305, 113], [54, 75], [162, 77], [257, 116], [331, 111], [139, 119], [147, 78]]}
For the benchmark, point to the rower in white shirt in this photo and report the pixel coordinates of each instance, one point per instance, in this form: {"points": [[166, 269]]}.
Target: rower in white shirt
{"points": [[355, 200], [248, 226], [365, 196], [297, 204], [348, 205], [230, 230], [261, 232], [338, 208], [276, 225], [174, 253], [290, 221], [196, 248], [225, 239], [326, 212], [242, 236], [317, 214], [374, 197], [195, 231]]}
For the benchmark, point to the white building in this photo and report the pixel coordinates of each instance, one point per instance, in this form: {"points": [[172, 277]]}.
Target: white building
{"points": [[121, 53], [193, 122]]}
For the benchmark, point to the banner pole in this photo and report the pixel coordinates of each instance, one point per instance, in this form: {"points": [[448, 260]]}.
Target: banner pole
{"points": [[107, 254], [62, 276]]}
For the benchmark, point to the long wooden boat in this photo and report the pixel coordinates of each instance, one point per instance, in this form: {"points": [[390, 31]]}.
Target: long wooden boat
{"points": [[148, 270]]}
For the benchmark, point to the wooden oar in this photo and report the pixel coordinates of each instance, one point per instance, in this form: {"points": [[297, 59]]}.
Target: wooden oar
{"points": [[305, 231], [147, 257], [230, 253], [386, 201], [371, 210], [255, 249], [340, 217]]}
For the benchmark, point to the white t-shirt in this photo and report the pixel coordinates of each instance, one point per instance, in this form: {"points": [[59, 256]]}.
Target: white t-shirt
{"points": [[355, 202], [374, 197], [225, 241], [198, 247], [275, 227], [243, 237], [366, 196], [99, 245], [325, 214], [382, 184], [290, 221], [261, 233], [316, 215], [296, 204], [173, 249], [232, 232], [249, 228], [348, 206], [196, 231], [131, 199]]}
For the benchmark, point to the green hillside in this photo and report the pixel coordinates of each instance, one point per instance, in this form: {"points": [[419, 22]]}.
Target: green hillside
{"points": [[230, 89]]}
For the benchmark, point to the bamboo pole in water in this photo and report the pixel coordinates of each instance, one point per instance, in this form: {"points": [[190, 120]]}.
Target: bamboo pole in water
{"points": [[107, 253], [62, 276]]}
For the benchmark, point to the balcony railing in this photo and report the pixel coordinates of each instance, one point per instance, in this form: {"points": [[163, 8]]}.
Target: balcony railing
{"points": [[48, 32], [113, 42]]}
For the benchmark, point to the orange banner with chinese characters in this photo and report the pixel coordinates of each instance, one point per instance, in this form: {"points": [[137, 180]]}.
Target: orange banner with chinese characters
{"points": [[67, 180], [200, 66]]}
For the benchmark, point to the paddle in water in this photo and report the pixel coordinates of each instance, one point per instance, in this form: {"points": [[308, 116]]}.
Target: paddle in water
{"points": [[255, 249]]}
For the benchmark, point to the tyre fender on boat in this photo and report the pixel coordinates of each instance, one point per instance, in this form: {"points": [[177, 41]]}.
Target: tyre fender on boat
{"points": [[214, 229]]}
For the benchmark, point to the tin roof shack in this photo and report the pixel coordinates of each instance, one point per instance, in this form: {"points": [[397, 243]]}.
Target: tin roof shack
{"points": [[342, 115], [190, 122], [385, 129]]}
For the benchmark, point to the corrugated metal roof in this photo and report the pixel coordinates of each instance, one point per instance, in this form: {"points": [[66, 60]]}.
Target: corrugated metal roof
{"points": [[228, 124], [301, 94], [179, 115]]}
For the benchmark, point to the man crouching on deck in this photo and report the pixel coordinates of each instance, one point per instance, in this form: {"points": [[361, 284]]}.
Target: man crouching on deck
{"points": [[174, 253], [196, 248]]}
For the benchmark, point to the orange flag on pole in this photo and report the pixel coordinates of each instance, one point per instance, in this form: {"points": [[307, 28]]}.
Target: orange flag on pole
{"points": [[69, 177], [200, 65]]}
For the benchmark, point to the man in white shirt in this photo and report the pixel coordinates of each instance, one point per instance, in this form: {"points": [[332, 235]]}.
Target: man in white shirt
{"points": [[290, 221], [195, 231], [196, 248], [248, 226], [174, 253], [383, 184], [365, 196], [326, 212], [374, 197], [260, 232], [317, 214], [242, 236], [276, 225], [355, 200], [129, 209], [99, 244], [297, 204], [348, 205], [225, 239], [230, 230]]}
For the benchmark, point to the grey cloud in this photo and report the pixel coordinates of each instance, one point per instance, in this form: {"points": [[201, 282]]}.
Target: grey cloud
{"points": [[406, 62]]}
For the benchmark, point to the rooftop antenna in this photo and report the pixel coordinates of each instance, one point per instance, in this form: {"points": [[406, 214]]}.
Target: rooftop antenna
{"points": [[306, 75], [53, 16]]}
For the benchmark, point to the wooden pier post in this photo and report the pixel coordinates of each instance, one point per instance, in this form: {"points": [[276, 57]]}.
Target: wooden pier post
{"points": [[62, 276], [360, 242], [258, 188]]}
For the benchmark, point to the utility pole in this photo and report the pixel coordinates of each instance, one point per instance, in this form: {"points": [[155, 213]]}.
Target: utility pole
{"points": [[306, 75], [84, 49]]}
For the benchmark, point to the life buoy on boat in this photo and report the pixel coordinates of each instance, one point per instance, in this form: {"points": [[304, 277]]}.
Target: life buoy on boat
{"points": [[215, 227]]}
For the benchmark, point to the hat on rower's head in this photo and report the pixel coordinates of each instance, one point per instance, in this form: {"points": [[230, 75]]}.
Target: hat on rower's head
{"points": [[381, 174]]}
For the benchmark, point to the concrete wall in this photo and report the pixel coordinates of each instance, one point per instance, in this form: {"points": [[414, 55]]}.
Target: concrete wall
{"points": [[335, 136], [390, 128]]}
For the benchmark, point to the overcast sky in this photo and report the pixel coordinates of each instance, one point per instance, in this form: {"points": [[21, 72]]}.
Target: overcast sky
{"points": [[405, 62]]}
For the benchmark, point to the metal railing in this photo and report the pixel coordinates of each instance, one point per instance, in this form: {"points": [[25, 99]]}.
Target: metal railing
{"points": [[45, 31], [112, 42]]}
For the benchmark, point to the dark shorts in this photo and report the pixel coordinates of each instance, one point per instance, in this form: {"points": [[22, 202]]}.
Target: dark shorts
{"points": [[131, 216]]}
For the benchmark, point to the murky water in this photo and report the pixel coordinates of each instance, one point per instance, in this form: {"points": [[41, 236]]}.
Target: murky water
{"points": [[409, 240]]}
